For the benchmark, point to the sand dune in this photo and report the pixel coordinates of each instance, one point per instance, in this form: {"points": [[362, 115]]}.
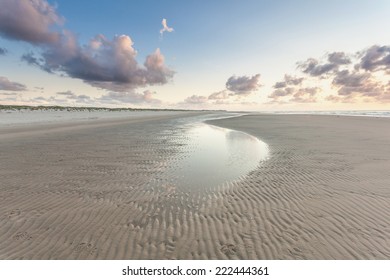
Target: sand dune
{"points": [[100, 192]]}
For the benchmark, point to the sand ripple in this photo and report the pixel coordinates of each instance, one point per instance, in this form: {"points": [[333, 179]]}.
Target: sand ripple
{"points": [[101, 193]]}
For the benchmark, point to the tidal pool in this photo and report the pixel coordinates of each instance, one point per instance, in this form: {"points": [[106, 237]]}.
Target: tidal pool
{"points": [[216, 155]]}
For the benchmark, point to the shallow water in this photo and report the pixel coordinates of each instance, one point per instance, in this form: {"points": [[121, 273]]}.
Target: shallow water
{"points": [[357, 113], [216, 155]]}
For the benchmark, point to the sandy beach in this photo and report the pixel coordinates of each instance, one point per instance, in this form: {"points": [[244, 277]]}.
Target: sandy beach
{"points": [[98, 189]]}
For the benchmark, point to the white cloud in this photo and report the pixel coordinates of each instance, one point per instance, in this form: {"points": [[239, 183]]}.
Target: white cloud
{"points": [[165, 28]]}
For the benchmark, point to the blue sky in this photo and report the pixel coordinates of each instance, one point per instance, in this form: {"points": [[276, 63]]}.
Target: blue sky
{"points": [[234, 55]]}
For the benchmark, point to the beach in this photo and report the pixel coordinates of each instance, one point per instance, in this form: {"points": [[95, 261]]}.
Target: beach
{"points": [[100, 189]]}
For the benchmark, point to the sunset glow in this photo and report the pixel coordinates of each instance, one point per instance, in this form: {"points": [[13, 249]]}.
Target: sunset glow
{"points": [[228, 55]]}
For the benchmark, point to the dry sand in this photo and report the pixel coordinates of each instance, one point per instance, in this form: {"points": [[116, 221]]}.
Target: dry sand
{"points": [[97, 191]]}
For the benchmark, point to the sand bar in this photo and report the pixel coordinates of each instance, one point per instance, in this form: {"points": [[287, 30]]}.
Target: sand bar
{"points": [[98, 190]]}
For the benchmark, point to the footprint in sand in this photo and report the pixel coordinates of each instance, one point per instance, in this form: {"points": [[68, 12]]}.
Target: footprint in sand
{"points": [[84, 249], [13, 213], [229, 249], [21, 236], [297, 253]]}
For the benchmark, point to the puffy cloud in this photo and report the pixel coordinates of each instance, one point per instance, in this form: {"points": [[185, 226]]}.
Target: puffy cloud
{"points": [[339, 99], [280, 85], [375, 58], [314, 68], [6, 84], [306, 95], [372, 89], [354, 84], [243, 85], [103, 63], [281, 92], [291, 89], [339, 58], [3, 51], [196, 99], [156, 71], [101, 60], [385, 97], [288, 81], [165, 28], [222, 102], [294, 94], [220, 95], [147, 97], [361, 81], [350, 79], [29, 20], [200, 101], [236, 87]]}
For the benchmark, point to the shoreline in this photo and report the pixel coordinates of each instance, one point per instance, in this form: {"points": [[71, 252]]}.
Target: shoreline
{"points": [[98, 192], [47, 126]]}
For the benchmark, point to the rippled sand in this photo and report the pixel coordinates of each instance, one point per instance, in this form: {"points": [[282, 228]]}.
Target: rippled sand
{"points": [[99, 190]]}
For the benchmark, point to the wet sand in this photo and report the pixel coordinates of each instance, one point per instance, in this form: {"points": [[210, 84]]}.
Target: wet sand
{"points": [[98, 191]]}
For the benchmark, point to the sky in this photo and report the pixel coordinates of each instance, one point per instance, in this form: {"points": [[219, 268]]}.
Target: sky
{"points": [[252, 55]]}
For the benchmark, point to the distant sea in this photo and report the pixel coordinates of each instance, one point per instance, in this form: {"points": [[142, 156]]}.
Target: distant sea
{"points": [[381, 113]]}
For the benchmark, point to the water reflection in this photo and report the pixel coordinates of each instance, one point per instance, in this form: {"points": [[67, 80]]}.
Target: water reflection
{"points": [[216, 155]]}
